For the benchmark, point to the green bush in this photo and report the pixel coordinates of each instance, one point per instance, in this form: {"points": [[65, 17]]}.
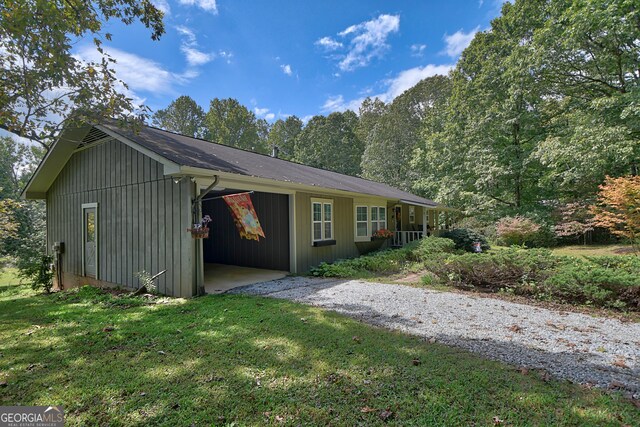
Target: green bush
{"points": [[465, 238], [505, 269], [612, 282], [36, 270], [387, 261]]}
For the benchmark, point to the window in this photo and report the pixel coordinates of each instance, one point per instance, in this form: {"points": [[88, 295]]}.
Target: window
{"points": [[321, 220], [412, 214], [369, 219], [378, 218], [362, 221]]}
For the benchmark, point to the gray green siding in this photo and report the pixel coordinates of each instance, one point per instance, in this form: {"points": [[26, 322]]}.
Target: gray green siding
{"points": [[343, 224], [142, 217]]}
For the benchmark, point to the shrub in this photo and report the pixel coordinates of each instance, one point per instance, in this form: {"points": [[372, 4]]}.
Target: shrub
{"points": [[516, 230], [36, 270], [465, 238], [509, 268]]}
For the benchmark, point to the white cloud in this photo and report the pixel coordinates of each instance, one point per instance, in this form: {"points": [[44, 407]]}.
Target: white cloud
{"points": [[137, 72], [207, 5], [328, 43], [264, 113], [163, 6], [408, 78], [226, 55], [394, 87], [189, 47], [458, 41], [368, 40], [286, 68], [418, 49]]}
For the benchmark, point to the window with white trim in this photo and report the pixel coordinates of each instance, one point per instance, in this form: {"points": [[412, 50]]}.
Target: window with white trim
{"points": [[321, 220], [362, 221], [378, 218], [412, 214]]}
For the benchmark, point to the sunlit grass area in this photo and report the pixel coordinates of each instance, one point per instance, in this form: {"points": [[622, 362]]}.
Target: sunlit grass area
{"points": [[221, 360], [591, 250]]}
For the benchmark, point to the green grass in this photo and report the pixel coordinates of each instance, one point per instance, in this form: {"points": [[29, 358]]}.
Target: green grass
{"points": [[593, 250], [237, 360]]}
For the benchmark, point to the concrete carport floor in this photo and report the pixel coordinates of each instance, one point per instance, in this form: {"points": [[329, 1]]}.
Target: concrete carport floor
{"points": [[219, 278]]}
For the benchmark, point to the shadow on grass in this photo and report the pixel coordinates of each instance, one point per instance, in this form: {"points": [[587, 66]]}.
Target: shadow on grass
{"points": [[255, 361]]}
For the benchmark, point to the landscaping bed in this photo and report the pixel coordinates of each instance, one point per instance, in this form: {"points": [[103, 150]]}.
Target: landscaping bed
{"points": [[611, 282]]}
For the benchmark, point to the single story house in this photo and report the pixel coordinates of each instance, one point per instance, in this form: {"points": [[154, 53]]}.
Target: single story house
{"points": [[120, 202]]}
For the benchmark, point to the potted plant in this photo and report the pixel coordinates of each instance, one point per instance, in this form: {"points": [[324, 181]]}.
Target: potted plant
{"points": [[382, 234], [200, 230]]}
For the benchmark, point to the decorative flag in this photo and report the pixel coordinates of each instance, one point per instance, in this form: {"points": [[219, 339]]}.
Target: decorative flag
{"points": [[244, 216]]}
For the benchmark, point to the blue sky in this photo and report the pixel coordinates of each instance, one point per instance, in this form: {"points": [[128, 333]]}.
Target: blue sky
{"points": [[292, 57]]}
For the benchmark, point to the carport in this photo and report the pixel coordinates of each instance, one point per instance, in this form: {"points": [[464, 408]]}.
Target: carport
{"points": [[231, 261]]}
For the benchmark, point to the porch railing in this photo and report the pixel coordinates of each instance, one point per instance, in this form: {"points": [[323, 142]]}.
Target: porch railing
{"points": [[401, 238]]}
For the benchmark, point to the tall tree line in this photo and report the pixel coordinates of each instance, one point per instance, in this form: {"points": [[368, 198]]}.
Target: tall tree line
{"points": [[538, 110]]}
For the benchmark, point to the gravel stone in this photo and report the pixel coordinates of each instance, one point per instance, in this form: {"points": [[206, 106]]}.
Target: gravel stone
{"points": [[589, 350]]}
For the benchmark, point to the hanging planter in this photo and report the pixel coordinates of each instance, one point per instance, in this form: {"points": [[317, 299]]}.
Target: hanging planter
{"points": [[199, 233], [201, 230]]}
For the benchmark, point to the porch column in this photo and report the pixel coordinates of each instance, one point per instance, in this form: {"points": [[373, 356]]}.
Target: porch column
{"points": [[425, 220]]}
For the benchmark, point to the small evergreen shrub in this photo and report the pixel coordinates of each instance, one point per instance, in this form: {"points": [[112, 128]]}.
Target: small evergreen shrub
{"points": [[465, 238]]}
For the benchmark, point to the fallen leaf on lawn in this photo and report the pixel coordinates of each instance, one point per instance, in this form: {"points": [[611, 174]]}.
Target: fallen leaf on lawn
{"points": [[416, 362], [544, 376], [432, 340], [108, 329], [303, 320], [615, 385], [524, 371], [3, 384], [356, 338], [143, 394], [497, 421], [367, 409], [279, 418], [385, 415], [161, 353]]}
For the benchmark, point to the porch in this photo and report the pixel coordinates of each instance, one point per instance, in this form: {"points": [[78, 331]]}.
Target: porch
{"points": [[410, 222]]}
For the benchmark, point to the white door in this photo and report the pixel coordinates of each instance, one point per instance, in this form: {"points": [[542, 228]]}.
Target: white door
{"points": [[90, 241]]}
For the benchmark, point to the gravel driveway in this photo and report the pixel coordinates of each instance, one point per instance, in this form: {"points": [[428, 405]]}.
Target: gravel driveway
{"points": [[578, 347]]}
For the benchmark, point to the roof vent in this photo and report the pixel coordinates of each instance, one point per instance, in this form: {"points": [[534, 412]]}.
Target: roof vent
{"points": [[94, 135]]}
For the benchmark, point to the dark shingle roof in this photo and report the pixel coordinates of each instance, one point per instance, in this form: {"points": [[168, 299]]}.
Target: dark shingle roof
{"points": [[187, 151]]}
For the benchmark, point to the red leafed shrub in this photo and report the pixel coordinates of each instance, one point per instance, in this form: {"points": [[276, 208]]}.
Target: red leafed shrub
{"points": [[516, 230]]}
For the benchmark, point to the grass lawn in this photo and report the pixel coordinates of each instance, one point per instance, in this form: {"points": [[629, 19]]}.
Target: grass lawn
{"points": [[223, 360], [593, 250]]}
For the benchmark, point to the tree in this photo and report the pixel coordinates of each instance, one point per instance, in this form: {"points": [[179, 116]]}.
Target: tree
{"points": [[43, 82], [183, 116], [618, 208], [284, 135], [230, 123], [331, 143], [390, 144], [588, 65], [575, 220]]}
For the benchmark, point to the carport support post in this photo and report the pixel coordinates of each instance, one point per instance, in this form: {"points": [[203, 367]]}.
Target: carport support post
{"points": [[199, 258]]}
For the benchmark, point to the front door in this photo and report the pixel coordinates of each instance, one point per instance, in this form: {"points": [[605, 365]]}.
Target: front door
{"points": [[397, 217], [90, 241]]}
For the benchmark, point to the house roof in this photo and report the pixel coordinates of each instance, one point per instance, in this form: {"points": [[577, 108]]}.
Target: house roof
{"points": [[186, 151]]}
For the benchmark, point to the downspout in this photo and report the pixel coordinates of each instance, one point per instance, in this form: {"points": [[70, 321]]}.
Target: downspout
{"points": [[196, 209]]}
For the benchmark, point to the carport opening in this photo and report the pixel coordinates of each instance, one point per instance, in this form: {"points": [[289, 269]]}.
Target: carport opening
{"points": [[231, 261]]}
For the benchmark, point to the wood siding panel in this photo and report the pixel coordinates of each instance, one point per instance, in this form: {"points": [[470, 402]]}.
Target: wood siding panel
{"points": [[142, 217], [343, 223], [225, 246]]}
